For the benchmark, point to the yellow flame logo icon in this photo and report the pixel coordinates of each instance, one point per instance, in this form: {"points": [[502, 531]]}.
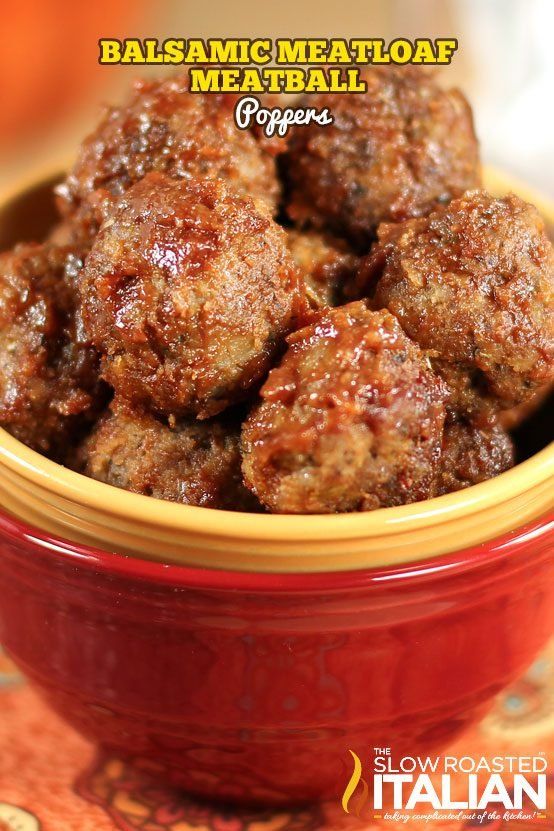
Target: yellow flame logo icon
{"points": [[355, 780]]}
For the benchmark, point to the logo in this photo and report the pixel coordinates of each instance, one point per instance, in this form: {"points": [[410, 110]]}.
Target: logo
{"points": [[464, 788]]}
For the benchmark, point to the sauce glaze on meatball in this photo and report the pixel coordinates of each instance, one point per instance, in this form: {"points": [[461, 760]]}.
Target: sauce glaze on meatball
{"points": [[351, 420], [188, 291]]}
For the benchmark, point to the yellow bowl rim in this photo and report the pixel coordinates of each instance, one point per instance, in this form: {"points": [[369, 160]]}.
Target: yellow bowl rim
{"points": [[278, 527]]}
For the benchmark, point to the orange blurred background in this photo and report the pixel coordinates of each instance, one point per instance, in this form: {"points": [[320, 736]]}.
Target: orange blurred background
{"points": [[49, 59], [53, 86]]}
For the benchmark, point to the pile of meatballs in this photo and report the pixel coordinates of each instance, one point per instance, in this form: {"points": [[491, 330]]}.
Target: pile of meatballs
{"points": [[342, 320]]}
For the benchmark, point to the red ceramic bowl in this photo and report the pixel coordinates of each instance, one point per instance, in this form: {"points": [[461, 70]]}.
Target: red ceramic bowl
{"points": [[306, 637], [253, 687]]}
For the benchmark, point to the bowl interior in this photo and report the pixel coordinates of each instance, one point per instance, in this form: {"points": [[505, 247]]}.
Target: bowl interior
{"points": [[29, 215]]}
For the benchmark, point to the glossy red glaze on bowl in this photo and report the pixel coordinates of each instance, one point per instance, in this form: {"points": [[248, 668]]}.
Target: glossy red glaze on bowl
{"points": [[253, 687]]}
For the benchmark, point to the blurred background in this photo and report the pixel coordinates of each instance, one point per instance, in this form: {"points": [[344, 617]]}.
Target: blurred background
{"points": [[52, 85]]}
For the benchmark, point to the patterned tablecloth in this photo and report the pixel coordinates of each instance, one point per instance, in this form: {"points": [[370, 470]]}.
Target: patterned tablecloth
{"points": [[53, 780]]}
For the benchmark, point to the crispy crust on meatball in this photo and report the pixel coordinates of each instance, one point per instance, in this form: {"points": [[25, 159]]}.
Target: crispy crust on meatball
{"points": [[49, 377], [392, 153], [165, 128], [192, 462], [473, 285], [351, 420], [471, 455], [326, 265], [189, 291]]}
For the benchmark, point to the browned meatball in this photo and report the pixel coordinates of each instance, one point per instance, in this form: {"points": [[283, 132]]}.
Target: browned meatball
{"points": [[196, 463], [393, 152], [514, 418], [471, 455], [325, 263], [165, 128], [189, 291], [68, 232], [351, 420], [473, 284], [48, 376]]}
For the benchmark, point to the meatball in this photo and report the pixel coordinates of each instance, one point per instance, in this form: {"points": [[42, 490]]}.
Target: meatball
{"points": [[192, 462], [473, 285], [63, 233], [392, 153], [165, 128], [188, 291], [49, 382], [351, 420], [514, 418], [471, 455], [325, 263]]}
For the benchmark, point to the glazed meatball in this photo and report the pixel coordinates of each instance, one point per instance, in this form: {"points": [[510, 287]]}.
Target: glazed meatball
{"points": [[514, 418], [188, 291], [351, 420], [392, 153], [62, 234], [192, 462], [473, 285], [49, 381], [165, 128], [326, 264], [471, 455]]}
